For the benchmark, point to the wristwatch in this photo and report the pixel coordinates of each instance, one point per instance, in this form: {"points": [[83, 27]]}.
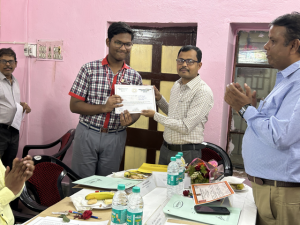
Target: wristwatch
{"points": [[243, 110]]}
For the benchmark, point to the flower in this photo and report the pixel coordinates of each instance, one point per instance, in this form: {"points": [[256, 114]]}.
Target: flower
{"points": [[200, 171], [87, 214], [186, 193]]}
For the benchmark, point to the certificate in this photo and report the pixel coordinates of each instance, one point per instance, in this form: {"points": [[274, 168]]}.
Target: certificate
{"points": [[135, 98]]}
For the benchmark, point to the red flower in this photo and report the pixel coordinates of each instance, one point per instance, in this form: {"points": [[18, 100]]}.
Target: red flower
{"points": [[197, 168], [186, 193], [87, 214]]}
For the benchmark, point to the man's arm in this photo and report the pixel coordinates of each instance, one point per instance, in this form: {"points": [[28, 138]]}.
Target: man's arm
{"points": [[83, 108], [26, 107], [161, 101], [277, 130], [198, 110]]}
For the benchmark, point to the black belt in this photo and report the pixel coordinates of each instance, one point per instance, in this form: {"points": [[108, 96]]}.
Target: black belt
{"points": [[185, 147], [262, 181], [102, 129], [8, 127]]}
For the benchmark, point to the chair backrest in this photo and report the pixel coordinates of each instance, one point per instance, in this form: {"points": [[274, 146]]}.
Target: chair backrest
{"points": [[66, 142], [212, 151], [47, 178]]}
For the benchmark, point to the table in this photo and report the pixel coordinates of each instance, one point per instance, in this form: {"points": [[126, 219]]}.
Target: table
{"points": [[154, 199]]}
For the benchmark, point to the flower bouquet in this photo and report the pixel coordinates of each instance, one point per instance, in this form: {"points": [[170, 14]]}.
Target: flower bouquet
{"points": [[202, 172]]}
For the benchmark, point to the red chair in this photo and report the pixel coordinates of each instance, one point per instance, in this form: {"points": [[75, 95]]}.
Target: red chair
{"points": [[65, 141], [44, 188], [212, 151]]}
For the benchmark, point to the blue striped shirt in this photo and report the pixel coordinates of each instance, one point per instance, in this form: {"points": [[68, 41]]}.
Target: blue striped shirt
{"points": [[271, 144]]}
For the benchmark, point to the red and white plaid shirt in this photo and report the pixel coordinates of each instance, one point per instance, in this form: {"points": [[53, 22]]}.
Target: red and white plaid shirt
{"points": [[93, 86]]}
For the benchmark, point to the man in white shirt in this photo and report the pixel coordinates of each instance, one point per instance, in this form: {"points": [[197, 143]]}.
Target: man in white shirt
{"points": [[191, 100], [9, 98]]}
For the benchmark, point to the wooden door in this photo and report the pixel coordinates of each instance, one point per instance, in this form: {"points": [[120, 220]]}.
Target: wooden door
{"points": [[153, 55]]}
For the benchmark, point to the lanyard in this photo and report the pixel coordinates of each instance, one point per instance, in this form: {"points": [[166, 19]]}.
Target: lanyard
{"points": [[112, 86]]}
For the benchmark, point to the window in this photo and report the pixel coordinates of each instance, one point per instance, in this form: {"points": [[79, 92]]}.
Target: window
{"points": [[251, 67]]}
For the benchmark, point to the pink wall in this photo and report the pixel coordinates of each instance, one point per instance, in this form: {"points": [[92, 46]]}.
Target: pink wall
{"points": [[82, 25]]}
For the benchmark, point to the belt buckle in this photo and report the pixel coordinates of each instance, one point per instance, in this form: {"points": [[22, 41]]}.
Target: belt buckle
{"points": [[104, 130]]}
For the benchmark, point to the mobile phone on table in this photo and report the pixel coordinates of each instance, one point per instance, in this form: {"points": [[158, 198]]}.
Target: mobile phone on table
{"points": [[211, 210]]}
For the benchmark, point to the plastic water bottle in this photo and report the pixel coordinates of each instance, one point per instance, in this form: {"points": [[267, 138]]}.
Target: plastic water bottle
{"points": [[173, 172], [135, 207], [119, 206], [181, 172], [183, 168]]}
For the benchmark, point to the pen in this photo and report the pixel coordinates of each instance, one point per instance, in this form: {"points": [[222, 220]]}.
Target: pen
{"points": [[81, 214]]}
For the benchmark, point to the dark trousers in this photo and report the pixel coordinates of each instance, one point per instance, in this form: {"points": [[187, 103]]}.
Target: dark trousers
{"points": [[166, 154], [9, 143]]}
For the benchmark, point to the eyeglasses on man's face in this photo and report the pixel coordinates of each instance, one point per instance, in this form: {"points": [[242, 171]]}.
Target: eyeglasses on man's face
{"points": [[189, 62], [119, 44], [4, 62]]}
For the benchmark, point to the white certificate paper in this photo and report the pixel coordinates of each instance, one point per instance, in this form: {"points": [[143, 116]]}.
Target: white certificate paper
{"points": [[135, 98], [19, 116]]}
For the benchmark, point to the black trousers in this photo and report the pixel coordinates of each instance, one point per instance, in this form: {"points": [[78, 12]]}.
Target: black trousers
{"points": [[9, 143]]}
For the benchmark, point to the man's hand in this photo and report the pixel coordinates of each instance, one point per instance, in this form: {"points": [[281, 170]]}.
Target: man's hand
{"points": [[148, 113], [253, 96], [235, 98], [157, 94], [29, 167], [125, 118], [15, 178], [25, 107], [113, 101]]}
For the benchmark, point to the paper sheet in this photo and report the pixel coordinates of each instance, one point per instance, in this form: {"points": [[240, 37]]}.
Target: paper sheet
{"points": [[106, 182], [135, 98], [16, 123]]}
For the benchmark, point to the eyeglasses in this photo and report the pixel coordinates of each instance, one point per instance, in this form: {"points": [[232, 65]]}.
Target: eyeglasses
{"points": [[188, 61], [119, 44], [4, 62]]}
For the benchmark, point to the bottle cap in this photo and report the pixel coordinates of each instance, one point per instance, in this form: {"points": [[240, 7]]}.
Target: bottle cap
{"points": [[173, 158], [136, 189], [180, 153], [121, 187], [178, 156]]}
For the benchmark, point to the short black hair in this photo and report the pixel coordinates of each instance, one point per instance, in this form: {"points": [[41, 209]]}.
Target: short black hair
{"points": [[292, 24], [119, 28], [8, 51], [191, 47]]}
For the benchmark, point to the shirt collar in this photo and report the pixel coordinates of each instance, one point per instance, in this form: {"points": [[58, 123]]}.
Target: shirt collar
{"points": [[191, 84], [105, 62], [2, 77], [290, 69]]}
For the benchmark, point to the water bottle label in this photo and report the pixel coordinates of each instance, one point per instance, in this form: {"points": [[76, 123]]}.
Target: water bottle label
{"points": [[180, 176], [173, 180], [118, 216], [134, 218]]}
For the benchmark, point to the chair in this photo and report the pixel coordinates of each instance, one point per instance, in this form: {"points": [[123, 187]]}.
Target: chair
{"points": [[44, 188], [212, 151], [65, 141]]}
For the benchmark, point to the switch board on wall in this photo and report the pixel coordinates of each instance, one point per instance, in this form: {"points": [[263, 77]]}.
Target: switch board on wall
{"points": [[49, 50]]}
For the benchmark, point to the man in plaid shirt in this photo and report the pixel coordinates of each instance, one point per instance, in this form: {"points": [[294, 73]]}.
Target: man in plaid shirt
{"points": [[191, 100], [101, 134]]}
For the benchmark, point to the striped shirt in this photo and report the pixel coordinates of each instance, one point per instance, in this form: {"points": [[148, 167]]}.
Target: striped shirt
{"points": [[9, 95], [271, 144], [93, 86], [187, 112]]}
